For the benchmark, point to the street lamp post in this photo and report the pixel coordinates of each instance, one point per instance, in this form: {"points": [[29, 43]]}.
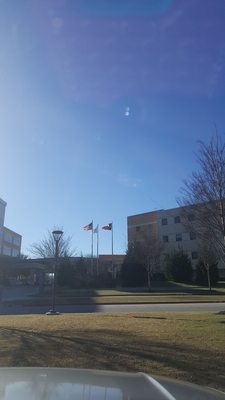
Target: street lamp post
{"points": [[57, 236]]}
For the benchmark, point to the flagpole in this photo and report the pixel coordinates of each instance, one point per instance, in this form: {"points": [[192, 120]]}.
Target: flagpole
{"points": [[112, 252], [97, 250], [92, 240]]}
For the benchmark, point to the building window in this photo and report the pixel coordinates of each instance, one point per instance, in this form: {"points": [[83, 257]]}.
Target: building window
{"points": [[165, 239], [194, 255], [178, 237], [138, 228], [17, 241], [8, 237], [192, 235], [177, 220], [15, 253], [6, 251], [164, 221], [191, 217]]}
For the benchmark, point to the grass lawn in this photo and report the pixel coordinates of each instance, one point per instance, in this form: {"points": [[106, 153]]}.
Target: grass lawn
{"points": [[38, 301], [157, 288], [188, 346], [182, 293], [219, 287], [156, 299]]}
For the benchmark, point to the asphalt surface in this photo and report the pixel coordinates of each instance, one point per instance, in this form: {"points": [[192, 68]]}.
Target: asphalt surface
{"points": [[118, 308]]}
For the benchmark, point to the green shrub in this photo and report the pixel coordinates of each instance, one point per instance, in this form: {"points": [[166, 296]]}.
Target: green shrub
{"points": [[133, 274], [179, 267]]}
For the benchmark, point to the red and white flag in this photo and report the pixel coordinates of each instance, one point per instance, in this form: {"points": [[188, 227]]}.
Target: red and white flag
{"points": [[107, 227], [88, 227]]}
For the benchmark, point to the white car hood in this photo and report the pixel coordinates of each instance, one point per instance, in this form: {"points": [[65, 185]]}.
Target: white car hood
{"points": [[78, 384]]}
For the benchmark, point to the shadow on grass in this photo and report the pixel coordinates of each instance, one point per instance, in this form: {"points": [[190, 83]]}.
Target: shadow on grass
{"points": [[114, 350], [142, 317], [85, 297], [66, 292], [198, 290], [174, 288]]}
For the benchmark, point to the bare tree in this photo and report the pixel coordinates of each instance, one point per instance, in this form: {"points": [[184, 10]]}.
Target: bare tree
{"points": [[208, 256], [203, 196], [152, 250], [23, 256], [45, 248], [148, 253]]}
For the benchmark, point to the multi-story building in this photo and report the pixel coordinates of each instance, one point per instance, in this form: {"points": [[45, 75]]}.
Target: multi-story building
{"points": [[169, 228], [10, 241]]}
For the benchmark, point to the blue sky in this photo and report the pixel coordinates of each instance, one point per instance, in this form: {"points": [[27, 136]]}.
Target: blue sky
{"points": [[102, 107]]}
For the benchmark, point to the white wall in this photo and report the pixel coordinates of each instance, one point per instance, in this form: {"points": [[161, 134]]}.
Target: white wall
{"points": [[8, 239]]}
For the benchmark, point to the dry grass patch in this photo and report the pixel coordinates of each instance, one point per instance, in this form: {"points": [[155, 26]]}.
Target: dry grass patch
{"points": [[158, 299], [188, 346]]}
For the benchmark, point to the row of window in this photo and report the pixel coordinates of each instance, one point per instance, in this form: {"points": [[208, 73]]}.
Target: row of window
{"points": [[17, 241], [11, 239], [179, 237], [8, 251], [177, 220], [8, 238]]}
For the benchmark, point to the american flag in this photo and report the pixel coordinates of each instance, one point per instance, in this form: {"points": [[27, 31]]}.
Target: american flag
{"points": [[88, 227], [107, 227]]}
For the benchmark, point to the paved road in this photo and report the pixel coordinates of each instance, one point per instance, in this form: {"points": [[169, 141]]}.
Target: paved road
{"points": [[206, 307]]}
